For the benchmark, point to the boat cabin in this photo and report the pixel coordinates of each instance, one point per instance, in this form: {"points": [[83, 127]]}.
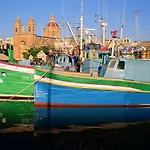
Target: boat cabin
{"points": [[64, 61], [93, 56], [131, 69]]}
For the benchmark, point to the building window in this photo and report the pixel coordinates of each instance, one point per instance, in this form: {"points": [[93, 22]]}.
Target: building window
{"points": [[16, 30], [29, 29], [121, 65], [33, 29], [128, 40], [53, 33]]}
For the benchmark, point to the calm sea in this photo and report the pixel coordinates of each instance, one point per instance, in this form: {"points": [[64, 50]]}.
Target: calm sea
{"points": [[74, 129]]}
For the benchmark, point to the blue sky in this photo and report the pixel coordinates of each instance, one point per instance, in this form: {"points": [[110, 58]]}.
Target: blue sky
{"points": [[70, 10]]}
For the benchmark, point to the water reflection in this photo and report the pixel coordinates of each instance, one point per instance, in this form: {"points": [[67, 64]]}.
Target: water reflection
{"points": [[46, 118], [77, 129], [16, 117], [93, 128]]}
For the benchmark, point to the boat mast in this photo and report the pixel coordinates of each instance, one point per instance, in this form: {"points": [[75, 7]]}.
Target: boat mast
{"points": [[63, 24], [97, 21], [81, 30], [137, 26], [103, 24], [122, 25]]}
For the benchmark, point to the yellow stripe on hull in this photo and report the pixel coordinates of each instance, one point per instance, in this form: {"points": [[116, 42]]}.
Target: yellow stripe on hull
{"points": [[87, 86]]}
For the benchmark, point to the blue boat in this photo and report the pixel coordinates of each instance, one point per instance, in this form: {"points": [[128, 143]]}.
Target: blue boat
{"points": [[120, 83]]}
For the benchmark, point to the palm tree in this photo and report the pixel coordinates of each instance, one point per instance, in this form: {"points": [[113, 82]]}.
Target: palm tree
{"points": [[33, 51], [45, 49], [26, 55]]}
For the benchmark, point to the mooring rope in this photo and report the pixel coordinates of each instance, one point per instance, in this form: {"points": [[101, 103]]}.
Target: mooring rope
{"points": [[23, 90]]}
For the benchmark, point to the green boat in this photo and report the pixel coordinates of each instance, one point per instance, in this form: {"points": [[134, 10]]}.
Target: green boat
{"points": [[16, 81]]}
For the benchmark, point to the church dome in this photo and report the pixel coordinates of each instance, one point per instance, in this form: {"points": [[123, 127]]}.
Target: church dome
{"points": [[52, 22]]}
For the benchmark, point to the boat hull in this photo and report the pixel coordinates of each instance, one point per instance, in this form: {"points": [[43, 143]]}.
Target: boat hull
{"points": [[16, 81], [52, 95]]}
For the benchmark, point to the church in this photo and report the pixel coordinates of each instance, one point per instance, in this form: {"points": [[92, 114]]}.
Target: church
{"points": [[25, 39]]}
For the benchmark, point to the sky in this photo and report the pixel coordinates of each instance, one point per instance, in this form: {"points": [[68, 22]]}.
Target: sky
{"points": [[70, 10]]}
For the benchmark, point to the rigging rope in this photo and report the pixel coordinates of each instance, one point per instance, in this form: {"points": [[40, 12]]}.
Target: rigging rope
{"points": [[23, 90]]}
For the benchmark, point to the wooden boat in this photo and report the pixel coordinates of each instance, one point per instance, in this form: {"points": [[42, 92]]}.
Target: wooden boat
{"points": [[122, 83], [16, 81]]}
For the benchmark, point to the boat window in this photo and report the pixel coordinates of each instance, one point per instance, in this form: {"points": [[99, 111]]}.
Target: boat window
{"points": [[100, 56], [70, 59], [121, 65], [112, 64], [87, 55], [64, 59], [60, 59], [4, 74]]}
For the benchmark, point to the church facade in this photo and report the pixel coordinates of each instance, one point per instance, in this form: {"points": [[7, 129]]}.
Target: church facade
{"points": [[25, 39]]}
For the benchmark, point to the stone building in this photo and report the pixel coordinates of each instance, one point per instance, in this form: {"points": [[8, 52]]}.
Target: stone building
{"points": [[24, 39]]}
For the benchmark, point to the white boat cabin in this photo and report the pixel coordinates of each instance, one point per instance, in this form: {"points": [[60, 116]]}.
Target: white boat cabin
{"points": [[131, 69]]}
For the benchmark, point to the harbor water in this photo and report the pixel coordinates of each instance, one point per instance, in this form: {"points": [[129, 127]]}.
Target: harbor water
{"points": [[70, 129]]}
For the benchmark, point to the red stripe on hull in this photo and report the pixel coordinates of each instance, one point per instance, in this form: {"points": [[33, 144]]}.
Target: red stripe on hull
{"points": [[58, 105], [17, 65]]}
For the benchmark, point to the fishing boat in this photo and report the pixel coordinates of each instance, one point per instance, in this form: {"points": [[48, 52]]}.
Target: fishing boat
{"points": [[16, 81], [121, 83]]}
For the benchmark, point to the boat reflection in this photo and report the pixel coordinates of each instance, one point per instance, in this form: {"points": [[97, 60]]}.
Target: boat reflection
{"points": [[16, 117], [65, 118]]}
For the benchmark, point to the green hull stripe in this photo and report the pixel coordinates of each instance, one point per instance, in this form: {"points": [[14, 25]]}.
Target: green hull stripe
{"points": [[123, 83]]}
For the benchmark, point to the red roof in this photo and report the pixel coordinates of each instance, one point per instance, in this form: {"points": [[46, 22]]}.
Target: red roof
{"points": [[52, 24]]}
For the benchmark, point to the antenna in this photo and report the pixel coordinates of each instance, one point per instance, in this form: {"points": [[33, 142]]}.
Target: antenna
{"points": [[137, 26]]}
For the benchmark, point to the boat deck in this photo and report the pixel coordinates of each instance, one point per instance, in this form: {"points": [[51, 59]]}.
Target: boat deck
{"points": [[88, 76]]}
